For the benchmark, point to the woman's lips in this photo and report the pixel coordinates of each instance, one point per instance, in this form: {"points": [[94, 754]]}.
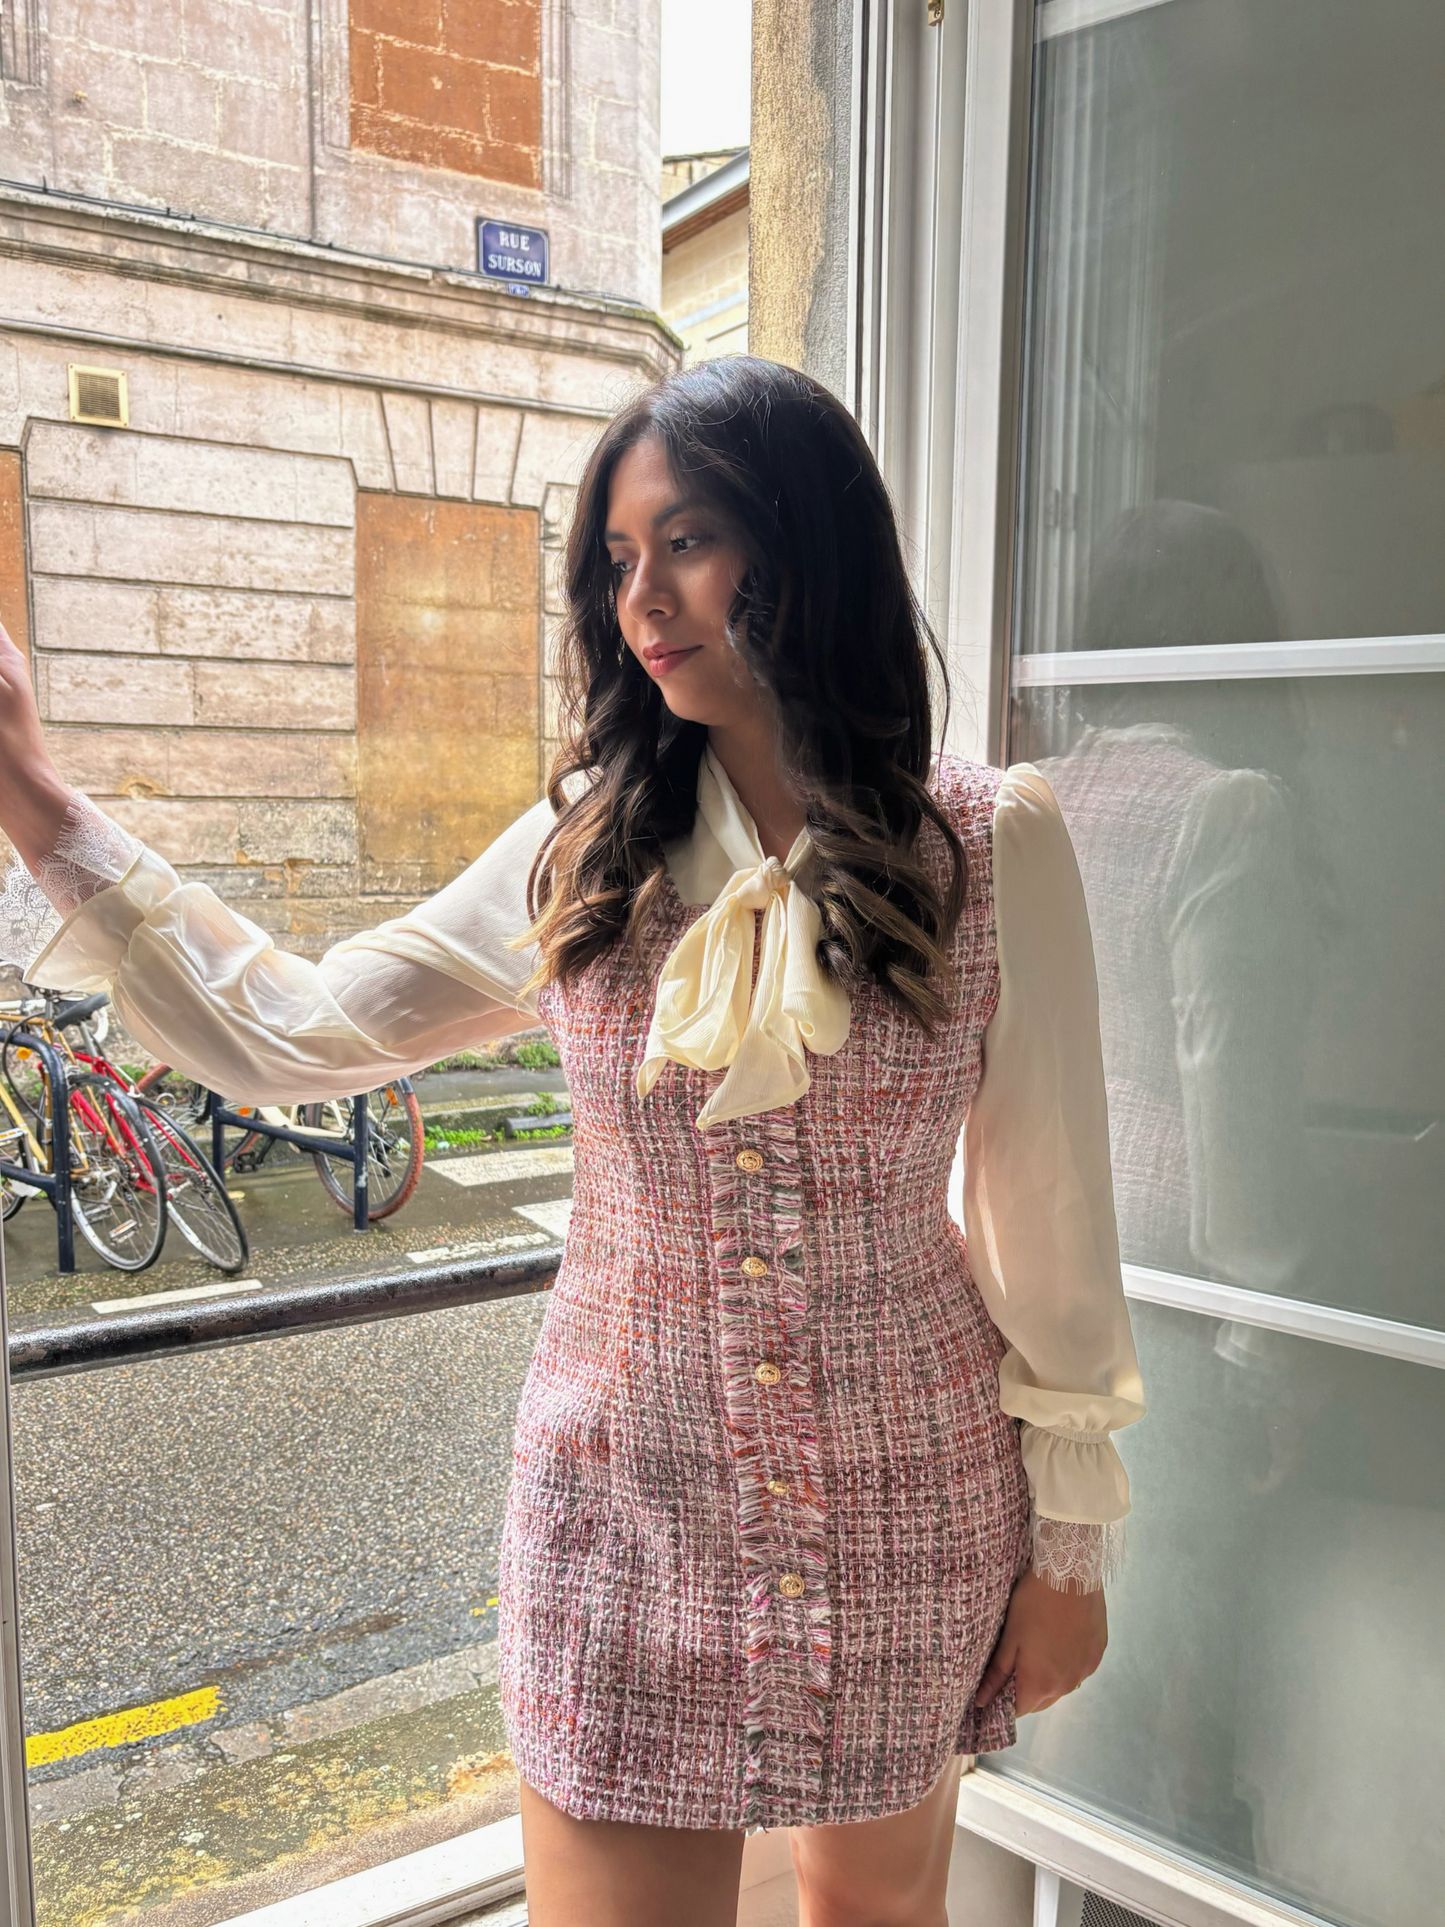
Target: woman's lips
{"points": [[666, 660]]}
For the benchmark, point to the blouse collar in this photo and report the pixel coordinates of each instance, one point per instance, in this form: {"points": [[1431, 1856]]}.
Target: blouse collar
{"points": [[708, 1012]]}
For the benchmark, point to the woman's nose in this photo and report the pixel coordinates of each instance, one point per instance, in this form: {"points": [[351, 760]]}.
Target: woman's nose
{"points": [[649, 591]]}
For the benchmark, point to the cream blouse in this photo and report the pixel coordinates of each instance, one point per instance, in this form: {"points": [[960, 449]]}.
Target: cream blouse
{"points": [[209, 991]]}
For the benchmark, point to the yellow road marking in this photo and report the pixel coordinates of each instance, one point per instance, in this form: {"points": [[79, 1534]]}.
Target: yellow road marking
{"points": [[118, 1729]]}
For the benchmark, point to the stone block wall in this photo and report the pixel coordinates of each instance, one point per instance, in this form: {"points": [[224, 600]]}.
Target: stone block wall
{"points": [[448, 687], [450, 83], [291, 625], [204, 107], [386, 126], [195, 649]]}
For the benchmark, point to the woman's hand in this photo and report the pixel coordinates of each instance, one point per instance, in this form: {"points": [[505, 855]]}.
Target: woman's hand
{"points": [[33, 799], [1051, 1642]]}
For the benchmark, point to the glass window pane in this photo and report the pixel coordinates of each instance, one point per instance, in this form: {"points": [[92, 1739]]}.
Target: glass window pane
{"points": [[1236, 398], [258, 1611], [1265, 877], [1272, 1700]]}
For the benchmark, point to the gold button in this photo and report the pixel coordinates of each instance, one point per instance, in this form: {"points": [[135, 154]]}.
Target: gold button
{"points": [[755, 1267], [749, 1160], [791, 1585], [779, 1488], [767, 1373]]}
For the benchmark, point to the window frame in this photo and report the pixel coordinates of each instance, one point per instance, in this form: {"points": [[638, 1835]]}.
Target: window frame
{"points": [[17, 1887], [938, 296]]}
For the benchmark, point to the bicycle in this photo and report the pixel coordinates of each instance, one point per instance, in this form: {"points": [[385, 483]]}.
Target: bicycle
{"points": [[196, 1194], [389, 1119], [83, 1142]]}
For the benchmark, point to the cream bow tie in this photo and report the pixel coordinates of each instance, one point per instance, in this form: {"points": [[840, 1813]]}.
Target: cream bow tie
{"points": [[709, 1014]]}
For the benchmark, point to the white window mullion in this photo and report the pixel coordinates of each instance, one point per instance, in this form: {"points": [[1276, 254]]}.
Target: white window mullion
{"points": [[1300, 1317], [1233, 662]]}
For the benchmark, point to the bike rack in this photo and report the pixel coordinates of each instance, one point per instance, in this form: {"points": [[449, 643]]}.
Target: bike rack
{"points": [[55, 1183], [357, 1153]]}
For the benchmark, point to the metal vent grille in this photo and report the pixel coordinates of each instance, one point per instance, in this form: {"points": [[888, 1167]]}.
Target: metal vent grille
{"points": [[98, 395], [1098, 1912]]}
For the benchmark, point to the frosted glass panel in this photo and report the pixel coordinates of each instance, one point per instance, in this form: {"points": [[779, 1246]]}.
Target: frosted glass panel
{"points": [[1264, 864], [1235, 413], [1272, 1699], [1233, 433]]}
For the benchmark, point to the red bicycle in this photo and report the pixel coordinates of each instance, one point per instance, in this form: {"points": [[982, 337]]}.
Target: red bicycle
{"points": [[135, 1168], [110, 1174], [196, 1195]]}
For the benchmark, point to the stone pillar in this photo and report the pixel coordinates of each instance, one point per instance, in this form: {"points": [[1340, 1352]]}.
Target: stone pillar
{"points": [[800, 163]]}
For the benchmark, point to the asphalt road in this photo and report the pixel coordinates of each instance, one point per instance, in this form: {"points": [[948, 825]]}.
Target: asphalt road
{"points": [[285, 1518], [301, 1533]]}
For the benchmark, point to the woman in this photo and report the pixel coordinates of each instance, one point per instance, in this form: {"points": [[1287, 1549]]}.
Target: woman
{"points": [[770, 1556]]}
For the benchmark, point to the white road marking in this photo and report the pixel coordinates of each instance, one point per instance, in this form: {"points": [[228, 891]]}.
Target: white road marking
{"points": [[177, 1297], [505, 1167], [479, 1248], [554, 1216]]}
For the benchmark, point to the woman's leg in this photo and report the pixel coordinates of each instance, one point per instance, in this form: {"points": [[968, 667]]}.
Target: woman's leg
{"points": [[880, 1873], [604, 1873]]}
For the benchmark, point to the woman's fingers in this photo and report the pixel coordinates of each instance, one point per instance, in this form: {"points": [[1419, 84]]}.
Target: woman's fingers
{"points": [[996, 1673], [1051, 1642], [1038, 1684]]}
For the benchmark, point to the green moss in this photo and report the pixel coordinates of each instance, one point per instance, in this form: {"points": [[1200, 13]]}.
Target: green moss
{"points": [[463, 1140]]}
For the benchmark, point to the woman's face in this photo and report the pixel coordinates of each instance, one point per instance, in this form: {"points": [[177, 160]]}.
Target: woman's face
{"points": [[676, 575]]}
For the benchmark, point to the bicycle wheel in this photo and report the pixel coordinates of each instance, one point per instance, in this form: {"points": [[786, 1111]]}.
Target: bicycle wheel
{"points": [[117, 1182], [24, 1075], [187, 1102], [196, 1199], [174, 1093], [396, 1148], [14, 1149]]}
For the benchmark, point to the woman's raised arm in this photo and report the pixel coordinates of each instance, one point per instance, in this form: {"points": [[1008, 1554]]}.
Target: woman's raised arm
{"points": [[91, 909]]}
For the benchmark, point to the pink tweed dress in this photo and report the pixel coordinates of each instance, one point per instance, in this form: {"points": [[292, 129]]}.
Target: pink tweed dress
{"points": [[765, 1513]]}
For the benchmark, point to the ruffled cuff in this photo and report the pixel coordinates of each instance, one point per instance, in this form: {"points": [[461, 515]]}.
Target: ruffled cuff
{"points": [[1074, 1475], [1075, 1557]]}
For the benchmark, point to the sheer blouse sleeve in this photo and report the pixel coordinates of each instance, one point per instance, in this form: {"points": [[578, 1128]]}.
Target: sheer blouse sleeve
{"points": [[1038, 1197], [210, 992]]}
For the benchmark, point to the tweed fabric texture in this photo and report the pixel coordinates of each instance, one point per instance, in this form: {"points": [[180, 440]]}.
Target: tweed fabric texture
{"points": [[765, 1513]]}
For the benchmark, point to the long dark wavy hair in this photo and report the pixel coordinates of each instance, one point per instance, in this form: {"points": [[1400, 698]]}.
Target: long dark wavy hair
{"points": [[828, 626]]}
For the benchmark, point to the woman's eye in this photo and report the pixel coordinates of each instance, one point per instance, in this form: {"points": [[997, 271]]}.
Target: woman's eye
{"points": [[619, 567], [681, 543]]}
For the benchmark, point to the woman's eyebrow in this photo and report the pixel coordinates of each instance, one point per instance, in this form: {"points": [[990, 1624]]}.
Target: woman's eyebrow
{"points": [[679, 507]]}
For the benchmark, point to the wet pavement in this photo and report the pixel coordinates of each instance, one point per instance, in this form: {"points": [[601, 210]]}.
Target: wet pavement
{"points": [[258, 1584]]}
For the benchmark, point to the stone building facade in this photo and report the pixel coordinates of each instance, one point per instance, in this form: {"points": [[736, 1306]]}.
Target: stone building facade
{"points": [[705, 251], [287, 604]]}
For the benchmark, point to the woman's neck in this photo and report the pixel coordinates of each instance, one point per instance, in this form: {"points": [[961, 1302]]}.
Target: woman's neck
{"points": [[748, 754]]}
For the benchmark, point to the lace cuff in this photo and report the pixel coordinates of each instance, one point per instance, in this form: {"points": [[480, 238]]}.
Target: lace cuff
{"points": [[1077, 1558], [91, 853]]}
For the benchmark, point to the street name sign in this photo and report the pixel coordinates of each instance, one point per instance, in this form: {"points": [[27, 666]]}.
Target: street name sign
{"points": [[507, 252]]}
